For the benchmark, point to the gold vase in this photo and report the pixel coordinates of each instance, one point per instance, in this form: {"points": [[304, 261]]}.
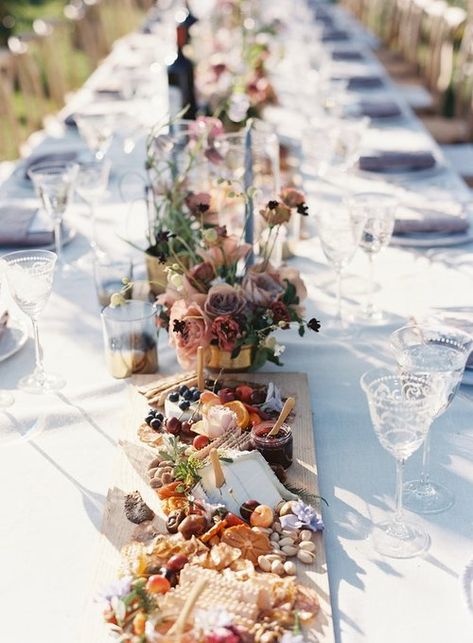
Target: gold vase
{"points": [[218, 360]]}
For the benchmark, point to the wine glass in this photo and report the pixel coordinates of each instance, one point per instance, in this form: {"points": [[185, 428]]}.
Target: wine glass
{"points": [[401, 413], [379, 212], [339, 235], [91, 185], [6, 399], [97, 131], [54, 184], [30, 276], [440, 354]]}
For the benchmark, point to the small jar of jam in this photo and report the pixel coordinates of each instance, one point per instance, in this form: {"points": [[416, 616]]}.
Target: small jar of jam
{"points": [[275, 449]]}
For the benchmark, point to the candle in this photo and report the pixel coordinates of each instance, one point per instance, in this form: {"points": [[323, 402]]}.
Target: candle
{"points": [[248, 183]]}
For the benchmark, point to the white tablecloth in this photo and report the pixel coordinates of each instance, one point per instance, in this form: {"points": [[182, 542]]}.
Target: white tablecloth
{"points": [[54, 486]]}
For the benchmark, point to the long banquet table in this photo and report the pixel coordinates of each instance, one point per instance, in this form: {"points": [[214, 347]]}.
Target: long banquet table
{"points": [[54, 486]]}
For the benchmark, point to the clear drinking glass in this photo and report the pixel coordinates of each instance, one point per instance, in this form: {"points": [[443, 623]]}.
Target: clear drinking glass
{"points": [[400, 410], [339, 236], [438, 354], [109, 274], [97, 131], [378, 211], [318, 147], [130, 338], [91, 185], [54, 183], [30, 276]]}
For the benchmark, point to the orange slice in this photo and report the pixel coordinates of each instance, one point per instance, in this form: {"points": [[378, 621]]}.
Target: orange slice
{"points": [[208, 399], [241, 412]]}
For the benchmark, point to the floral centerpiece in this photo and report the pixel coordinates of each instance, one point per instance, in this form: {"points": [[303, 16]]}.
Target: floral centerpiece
{"points": [[232, 308]]}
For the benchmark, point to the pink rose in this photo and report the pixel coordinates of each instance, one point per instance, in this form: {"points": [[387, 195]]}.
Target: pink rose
{"points": [[217, 421], [226, 331], [228, 251], [293, 276], [260, 287], [224, 299], [189, 328], [200, 276]]}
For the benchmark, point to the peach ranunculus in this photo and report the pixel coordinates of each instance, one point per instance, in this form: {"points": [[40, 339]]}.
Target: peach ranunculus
{"points": [[261, 287], [227, 252], [189, 328], [292, 197], [276, 213], [223, 299]]}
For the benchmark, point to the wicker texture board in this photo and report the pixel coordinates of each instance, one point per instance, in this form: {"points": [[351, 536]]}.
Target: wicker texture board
{"points": [[130, 475]]}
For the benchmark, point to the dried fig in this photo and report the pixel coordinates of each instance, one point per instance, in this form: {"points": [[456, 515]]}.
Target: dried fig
{"points": [[193, 525]]}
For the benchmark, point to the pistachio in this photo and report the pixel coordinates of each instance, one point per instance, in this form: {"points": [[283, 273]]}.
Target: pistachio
{"points": [[290, 568], [305, 535], [290, 550], [286, 541], [273, 557], [263, 530], [289, 532], [274, 537], [264, 563], [307, 545], [277, 527], [306, 557], [277, 567]]}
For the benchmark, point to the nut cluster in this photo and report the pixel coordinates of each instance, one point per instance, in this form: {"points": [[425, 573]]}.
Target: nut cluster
{"points": [[286, 544], [160, 472]]}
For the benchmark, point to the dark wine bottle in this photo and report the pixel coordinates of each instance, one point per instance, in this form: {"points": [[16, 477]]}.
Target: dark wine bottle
{"points": [[181, 73]]}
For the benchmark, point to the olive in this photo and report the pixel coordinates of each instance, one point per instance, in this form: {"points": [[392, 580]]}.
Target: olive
{"points": [[174, 520]]}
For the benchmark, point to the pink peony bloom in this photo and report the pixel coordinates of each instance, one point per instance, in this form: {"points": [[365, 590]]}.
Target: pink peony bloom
{"points": [[218, 421], [226, 330], [189, 328]]}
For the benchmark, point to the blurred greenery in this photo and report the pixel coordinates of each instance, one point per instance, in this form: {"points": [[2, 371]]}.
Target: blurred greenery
{"points": [[18, 15]]}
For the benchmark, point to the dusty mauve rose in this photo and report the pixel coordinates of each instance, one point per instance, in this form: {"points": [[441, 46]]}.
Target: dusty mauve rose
{"points": [[260, 287], [224, 299], [292, 197], [226, 331], [225, 252], [189, 328], [201, 275], [276, 213]]}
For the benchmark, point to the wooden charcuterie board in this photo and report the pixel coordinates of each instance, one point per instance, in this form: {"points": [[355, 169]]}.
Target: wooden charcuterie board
{"points": [[130, 475]]}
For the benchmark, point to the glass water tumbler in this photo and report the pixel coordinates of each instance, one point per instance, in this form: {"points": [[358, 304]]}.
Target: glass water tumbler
{"points": [[130, 338]]}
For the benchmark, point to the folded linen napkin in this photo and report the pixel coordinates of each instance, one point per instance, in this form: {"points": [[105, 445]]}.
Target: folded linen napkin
{"points": [[365, 81], [22, 226], [50, 157], [379, 109], [396, 161], [412, 220], [334, 35], [346, 54]]}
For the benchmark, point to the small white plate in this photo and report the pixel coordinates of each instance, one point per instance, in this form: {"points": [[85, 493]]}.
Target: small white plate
{"points": [[12, 339]]}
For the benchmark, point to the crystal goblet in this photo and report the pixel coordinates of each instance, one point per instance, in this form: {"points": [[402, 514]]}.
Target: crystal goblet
{"points": [[401, 413], [54, 184], [30, 276], [379, 212], [438, 353], [91, 185], [339, 236], [97, 131]]}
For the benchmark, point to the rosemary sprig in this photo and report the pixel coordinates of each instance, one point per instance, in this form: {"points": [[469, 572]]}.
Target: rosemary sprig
{"points": [[304, 494]]}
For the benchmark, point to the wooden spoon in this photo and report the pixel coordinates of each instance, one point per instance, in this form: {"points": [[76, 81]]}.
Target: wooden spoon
{"points": [[200, 369], [180, 623], [217, 467], [286, 409]]}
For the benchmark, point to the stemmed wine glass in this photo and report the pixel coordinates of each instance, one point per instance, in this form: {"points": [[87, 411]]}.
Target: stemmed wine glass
{"points": [[339, 235], [379, 212], [30, 276], [401, 413], [97, 131], [439, 354], [6, 399], [54, 184], [91, 185]]}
